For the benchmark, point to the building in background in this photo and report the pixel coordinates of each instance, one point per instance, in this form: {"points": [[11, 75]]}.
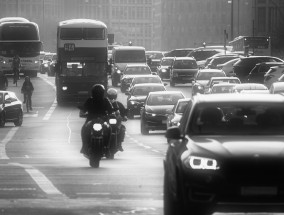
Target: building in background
{"points": [[159, 24]]}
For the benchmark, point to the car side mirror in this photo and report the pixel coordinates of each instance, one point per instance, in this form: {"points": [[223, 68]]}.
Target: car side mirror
{"points": [[173, 133]]}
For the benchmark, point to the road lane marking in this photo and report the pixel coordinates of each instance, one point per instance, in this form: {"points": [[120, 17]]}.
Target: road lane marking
{"points": [[31, 114], [50, 111], [42, 181], [5, 141], [69, 129]]}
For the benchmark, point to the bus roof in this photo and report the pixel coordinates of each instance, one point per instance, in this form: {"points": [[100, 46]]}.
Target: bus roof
{"points": [[75, 23], [128, 48], [13, 19]]}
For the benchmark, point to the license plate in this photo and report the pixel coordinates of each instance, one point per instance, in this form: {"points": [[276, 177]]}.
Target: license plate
{"points": [[253, 191]]}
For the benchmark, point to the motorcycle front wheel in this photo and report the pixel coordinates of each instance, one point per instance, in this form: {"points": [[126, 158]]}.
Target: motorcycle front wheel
{"points": [[94, 161]]}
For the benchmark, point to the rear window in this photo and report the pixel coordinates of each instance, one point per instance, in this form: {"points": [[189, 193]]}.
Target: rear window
{"points": [[163, 99], [82, 33], [185, 64]]}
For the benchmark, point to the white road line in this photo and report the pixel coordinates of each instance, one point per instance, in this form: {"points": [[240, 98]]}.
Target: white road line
{"points": [[4, 142], [69, 129], [41, 180], [50, 111]]}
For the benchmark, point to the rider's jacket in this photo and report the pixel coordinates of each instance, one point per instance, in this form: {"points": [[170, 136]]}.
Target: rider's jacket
{"points": [[118, 106], [97, 107]]}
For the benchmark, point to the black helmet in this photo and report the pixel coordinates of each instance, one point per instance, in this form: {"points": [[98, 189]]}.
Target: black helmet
{"points": [[112, 93], [98, 91]]}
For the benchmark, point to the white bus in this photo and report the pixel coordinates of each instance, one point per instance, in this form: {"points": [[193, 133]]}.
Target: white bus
{"points": [[82, 51], [19, 36]]}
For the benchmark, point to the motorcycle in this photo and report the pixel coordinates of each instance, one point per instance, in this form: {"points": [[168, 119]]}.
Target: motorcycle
{"points": [[97, 148]]}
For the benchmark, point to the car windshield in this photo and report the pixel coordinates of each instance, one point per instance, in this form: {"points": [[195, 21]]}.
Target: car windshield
{"points": [[222, 89], [137, 70], [208, 75], [221, 81], [237, 118], [185, 64], [163, 99], [144, 91]]}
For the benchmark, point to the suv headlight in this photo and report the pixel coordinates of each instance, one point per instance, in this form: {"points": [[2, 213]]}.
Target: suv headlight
{"points": [[201, 163]]}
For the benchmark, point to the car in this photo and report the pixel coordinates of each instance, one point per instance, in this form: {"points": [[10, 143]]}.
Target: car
{"points": [[173, 118], [137, 95], [276, 87], [130, 71], [228, 67], [156, 109], [212, 62], [11, 109], [202, 53], [218, 80], [226, 156], [249, 86], [163, 69], [221, 88], [154, 59], [245, 64], [139, 79], [256, 75], [182, 52], [182, 70], [273, 74], [202, 78]]}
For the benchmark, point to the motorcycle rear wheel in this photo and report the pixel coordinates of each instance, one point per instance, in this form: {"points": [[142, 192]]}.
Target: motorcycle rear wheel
{"points": [[94, 161]]}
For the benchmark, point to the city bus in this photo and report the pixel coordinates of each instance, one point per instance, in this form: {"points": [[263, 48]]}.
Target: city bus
{"points": [[257, 45], [19, 36], [82, 58]]}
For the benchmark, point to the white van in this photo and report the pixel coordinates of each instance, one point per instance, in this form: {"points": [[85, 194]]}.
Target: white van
{"points": [[123, 55]]}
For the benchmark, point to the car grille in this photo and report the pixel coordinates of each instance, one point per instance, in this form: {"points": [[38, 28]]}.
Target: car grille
{"points": [[254, 170]]}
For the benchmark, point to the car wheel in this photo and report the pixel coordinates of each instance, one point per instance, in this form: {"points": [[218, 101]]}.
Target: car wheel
{"points": [[2, 120], [144, 129], [19, 120], [171, 206], [130, 115]]}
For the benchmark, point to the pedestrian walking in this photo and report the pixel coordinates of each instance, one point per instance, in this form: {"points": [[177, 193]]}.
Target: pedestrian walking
{"points": [[27, 90]]}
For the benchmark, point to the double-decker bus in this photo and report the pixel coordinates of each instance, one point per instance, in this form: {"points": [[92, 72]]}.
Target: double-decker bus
{"points": [[19, 36], [255, 45], [82, 58]]}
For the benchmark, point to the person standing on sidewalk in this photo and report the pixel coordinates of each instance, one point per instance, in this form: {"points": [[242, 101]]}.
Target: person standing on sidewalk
{"points": [[3, 81], [27, 90]]}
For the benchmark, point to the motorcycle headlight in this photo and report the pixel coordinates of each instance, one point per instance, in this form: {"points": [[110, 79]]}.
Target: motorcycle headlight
{"points": [[202, 163], [118, 71], [45, 65], [133, 102], [163, 70], [112, 121], [36, 61], [200, 87], [97, 127]]}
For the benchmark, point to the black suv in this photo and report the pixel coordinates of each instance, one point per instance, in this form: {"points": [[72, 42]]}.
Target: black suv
{"points": [[183, 70], [243, 67], [256, 75]]}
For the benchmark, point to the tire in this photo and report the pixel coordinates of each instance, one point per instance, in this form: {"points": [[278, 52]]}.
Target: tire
{"points": [[19, 121], [130, 115], [94, 161], [2, 120], [144, 129], [171, 206]]}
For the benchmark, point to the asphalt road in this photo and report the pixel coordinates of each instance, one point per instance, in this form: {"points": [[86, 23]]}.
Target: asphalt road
{"points": [[42, 171]]}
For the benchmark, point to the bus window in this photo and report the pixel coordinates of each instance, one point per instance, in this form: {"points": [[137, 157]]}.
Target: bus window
{"points": [[94, 69], [71, 34], [93, 34], [72, 69]]}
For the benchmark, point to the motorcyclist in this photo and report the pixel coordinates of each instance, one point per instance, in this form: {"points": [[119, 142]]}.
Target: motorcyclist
{"points": [[121, 113], [95, 106]]}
